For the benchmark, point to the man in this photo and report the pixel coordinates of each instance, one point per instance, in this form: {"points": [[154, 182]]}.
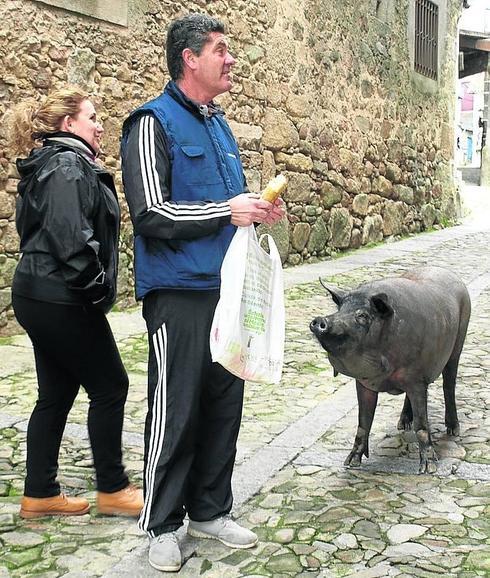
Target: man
{"points": [[186, 192]]}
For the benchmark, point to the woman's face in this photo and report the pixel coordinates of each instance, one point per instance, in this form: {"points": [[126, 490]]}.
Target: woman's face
{"points": [[86, 125]]}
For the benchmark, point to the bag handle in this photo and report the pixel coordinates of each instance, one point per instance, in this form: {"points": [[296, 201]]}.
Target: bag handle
{"points": [[273, 252]]}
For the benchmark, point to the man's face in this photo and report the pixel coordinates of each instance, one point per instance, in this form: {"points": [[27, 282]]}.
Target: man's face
{"points": [[213, 71]]}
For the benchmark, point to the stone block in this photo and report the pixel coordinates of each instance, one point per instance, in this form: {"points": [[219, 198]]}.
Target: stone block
{"points": [[300, 236], [319, 237], [248, 136], [349, 161], [5, 298], [299, 188], [253, 180], [382, 186], [254, 53], [268, 167], [428, 214], [254, 89], [9, 240], [393, 218], [372, 229], [363, 124], [337, 179], [352, 186], [393, 172], [7, 268], [340, 227], [404, 194], [81, 66], [355, 239], [279, 131], [360, 204], [298, 106], [7, 205], [296, 162], [330, 194]]}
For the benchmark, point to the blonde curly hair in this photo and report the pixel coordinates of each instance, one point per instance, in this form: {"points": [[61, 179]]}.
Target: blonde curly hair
{"points": [[31, 120]]}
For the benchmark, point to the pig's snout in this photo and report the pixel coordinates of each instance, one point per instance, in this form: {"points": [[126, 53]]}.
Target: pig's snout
{"points": [[320, 325]]}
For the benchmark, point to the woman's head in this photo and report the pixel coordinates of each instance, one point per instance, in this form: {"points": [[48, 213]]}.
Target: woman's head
{"points": [[68, 109]]}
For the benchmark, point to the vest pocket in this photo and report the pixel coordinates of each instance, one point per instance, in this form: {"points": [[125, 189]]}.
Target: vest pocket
{"points": [[195, 165]]}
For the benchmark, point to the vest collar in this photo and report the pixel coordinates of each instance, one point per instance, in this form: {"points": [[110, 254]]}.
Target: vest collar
{"points": [[198, 110]]}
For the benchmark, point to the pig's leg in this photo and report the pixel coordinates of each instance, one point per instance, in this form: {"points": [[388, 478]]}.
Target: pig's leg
{"points": [[428, 456], [367, 401], [406, 416], [449, 386], [450, 371]]}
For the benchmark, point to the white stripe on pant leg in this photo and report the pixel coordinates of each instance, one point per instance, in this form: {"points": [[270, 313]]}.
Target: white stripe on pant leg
{"points": [[155, 432], [157, 429]]}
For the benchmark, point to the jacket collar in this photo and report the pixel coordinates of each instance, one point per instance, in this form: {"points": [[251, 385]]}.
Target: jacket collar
{"points": [[71, 140]]}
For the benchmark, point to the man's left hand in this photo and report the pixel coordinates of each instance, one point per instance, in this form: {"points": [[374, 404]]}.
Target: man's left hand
{"points": [[276, 212]]}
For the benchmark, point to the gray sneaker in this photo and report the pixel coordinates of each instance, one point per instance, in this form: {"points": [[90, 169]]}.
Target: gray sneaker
{"points": [[165, 552], [225, 530]]}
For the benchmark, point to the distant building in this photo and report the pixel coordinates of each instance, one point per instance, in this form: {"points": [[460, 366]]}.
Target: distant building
{"points": [[473, 109]]}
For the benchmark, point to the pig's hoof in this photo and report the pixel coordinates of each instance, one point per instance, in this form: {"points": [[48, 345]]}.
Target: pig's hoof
{"points": [[353, 461], [404, 424], [431, 467], [453, 430], [428, 466]]}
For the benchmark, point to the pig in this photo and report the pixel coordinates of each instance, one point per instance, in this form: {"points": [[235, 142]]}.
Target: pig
{"points": [[397, 335]]}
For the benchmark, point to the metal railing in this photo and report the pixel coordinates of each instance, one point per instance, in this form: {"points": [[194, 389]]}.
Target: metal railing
{"points": [[426, 38]]}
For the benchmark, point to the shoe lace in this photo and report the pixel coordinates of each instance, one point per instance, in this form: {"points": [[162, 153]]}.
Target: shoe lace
{"points": [[166, 537], [226, 520]]}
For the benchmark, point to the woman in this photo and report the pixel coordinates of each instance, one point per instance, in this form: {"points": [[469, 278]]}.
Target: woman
{"points": [[68, 222]]}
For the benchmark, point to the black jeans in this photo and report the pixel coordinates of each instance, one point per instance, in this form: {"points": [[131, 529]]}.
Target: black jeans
{"points": [[73, 346]]}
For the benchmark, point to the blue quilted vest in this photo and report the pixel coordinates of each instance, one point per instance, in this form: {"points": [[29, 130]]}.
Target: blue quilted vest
{"points": [[205, 165]]}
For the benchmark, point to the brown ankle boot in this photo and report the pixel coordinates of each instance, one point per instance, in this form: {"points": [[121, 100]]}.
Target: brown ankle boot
{"points": [[126, 502], [60, 505]]}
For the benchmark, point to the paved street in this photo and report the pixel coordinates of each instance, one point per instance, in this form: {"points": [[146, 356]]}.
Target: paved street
{"points": [[314, 517]]}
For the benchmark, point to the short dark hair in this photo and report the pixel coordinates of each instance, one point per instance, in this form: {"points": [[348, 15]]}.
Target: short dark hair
{"points": [[192, 32]]}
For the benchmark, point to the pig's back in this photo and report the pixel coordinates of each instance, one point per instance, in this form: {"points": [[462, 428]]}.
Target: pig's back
{"points": [[438, 278], [432, 308], [433, 286]]}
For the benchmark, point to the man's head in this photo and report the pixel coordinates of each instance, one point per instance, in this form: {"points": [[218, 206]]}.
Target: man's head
{"points": [[198, 57]]}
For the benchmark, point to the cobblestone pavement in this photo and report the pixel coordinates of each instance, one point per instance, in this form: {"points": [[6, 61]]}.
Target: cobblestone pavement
{"points": [[314, 517]]}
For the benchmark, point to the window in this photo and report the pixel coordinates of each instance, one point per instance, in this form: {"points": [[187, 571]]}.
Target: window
{"points": [[426, 38], [115, 11]]}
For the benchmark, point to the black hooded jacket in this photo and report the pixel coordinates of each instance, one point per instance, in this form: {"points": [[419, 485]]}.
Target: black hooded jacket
{"points": [[67, 218]]}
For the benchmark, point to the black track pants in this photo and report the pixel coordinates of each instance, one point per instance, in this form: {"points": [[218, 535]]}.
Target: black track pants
{"points": [[194, 414], [73, 346]]}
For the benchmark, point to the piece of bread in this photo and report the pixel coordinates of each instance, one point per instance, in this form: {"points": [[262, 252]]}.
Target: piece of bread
{"points": [[274, 188]]}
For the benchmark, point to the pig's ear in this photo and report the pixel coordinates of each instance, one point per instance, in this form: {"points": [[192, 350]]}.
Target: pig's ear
{"points": [[381, 304], [337, 294]]}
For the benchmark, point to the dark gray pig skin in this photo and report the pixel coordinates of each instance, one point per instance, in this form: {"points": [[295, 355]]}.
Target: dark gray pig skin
{"points": [[397, 335]]}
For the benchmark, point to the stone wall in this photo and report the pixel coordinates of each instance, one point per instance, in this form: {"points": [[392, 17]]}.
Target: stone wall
{"points": [[324, 92]]}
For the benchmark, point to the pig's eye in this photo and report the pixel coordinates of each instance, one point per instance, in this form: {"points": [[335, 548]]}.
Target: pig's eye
{"points": [[362, 318]]}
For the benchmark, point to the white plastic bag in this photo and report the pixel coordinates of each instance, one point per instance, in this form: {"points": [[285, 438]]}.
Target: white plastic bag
{"points": [[247, 333]]}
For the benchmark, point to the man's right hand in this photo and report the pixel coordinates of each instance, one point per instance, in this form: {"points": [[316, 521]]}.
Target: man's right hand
{"points": [[249, 208]]}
